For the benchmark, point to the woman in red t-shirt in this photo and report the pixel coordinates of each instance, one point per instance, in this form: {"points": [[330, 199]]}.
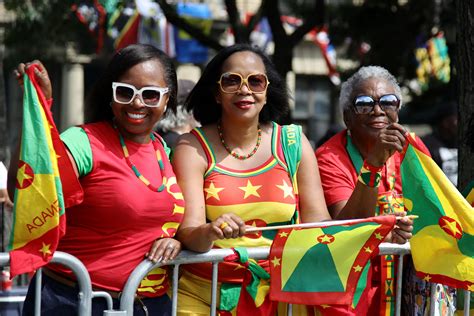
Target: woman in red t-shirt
{"points": [[132, 204]]}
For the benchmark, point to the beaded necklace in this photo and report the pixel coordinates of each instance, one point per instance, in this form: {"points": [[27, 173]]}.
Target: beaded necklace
{"points": [[135, 169], [234, 154]]}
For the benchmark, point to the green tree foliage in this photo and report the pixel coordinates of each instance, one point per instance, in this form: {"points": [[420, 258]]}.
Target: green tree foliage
{"points": [[42, 28]]}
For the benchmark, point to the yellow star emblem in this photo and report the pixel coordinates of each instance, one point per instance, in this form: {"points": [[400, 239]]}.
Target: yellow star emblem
{"points": [[212, 191], [378, 236], [287, 189], [325, 239], [324, 306], [45, 249], [276, 261], [238, 267], [250, 189], [357, 268], [22, 175], [470, 288], [367, 249], [283, 234], [427, 278], [451, 226]]}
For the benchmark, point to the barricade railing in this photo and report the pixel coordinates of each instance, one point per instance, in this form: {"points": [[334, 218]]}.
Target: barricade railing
{"points": [[85, 295], [214, 256], [217, 255]]}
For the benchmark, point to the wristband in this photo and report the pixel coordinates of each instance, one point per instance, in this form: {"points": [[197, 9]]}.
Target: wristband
{"points": [[370, 175]]}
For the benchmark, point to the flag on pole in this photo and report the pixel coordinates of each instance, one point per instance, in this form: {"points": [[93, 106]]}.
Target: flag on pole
{"points": [[442, 245], [322, 266], [38, 214]]}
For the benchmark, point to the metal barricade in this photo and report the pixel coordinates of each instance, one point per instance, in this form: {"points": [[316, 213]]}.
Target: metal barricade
{"points": [[86, 294], [217, 255]]}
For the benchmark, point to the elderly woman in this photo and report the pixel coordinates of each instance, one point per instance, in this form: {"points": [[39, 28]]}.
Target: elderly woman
{"points": [[360, 166]]}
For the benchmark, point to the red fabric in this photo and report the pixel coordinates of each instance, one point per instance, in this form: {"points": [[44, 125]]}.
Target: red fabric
{"points": [[120, 217], [267, 177], [72, 190], [339, 178], [247, 304], [338, 175]]}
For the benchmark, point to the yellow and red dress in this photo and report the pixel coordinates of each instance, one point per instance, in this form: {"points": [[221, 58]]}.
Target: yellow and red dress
{"points": [[262, 196]]}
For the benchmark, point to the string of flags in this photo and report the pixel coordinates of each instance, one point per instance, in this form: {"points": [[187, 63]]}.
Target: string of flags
{"points": [[432, 59], [143, 21]]}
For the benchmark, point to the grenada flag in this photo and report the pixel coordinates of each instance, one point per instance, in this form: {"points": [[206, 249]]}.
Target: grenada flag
{"points": [[442, 245], [322, 266], [469, 193], [38, 214]]}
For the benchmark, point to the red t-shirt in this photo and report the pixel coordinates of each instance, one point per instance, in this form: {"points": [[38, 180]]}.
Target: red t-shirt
{"points": [[339, 176], [120, 217]]}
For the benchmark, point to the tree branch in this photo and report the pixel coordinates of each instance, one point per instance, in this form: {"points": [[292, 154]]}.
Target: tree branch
{"points": [[173, 17], [313, 20]]}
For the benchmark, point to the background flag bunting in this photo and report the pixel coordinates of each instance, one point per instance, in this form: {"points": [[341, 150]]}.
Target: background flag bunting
{"points": [[322, 266], [38, 214], [445, 223]]}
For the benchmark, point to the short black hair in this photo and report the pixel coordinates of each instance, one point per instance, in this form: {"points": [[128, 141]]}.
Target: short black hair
{"points": [[98, 102], [201, 101]]}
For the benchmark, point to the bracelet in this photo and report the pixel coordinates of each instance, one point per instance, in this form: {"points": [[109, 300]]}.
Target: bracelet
{"points": [[370, 175]]}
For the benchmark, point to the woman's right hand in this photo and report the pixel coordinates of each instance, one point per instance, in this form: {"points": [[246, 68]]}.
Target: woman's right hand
{"points": [[227, 226], [390, 139], [41, 75]]}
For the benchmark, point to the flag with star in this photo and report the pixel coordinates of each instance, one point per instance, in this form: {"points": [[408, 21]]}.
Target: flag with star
{"points": [[322, 266], [445, 223], [38, 214]]}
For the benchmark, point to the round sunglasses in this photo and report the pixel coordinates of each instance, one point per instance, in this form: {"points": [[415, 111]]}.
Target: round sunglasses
{"points": [[364, 104], [231, 82], [125, 93]]}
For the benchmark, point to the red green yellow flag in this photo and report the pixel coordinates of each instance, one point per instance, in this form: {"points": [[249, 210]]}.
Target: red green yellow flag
{"points": [[38, 214], [442, 245], [322, 266], [254, 295], [469, 193]]}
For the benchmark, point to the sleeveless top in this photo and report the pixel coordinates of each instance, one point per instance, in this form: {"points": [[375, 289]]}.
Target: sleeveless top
{"points": [[262, 196], [120, 217]]}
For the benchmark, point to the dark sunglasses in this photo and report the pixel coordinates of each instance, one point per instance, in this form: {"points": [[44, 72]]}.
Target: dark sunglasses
{"points": [[364, 104], [231, 82], [124, 93]]}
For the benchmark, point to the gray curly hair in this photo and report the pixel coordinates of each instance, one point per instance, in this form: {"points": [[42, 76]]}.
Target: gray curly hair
{"points": [[171, 121], [361, 75]]}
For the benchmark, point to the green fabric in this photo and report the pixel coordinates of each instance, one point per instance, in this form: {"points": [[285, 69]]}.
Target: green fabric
{"points": [[230, 294], [353, 152], [291, 144], [78, 144], [292, 150]]}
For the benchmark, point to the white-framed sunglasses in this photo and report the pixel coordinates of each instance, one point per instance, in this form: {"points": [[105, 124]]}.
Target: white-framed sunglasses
{"points": [[125, 93]]}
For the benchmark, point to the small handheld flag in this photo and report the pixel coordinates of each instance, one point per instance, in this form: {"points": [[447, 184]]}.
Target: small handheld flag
{"points": [[323, 265], [38, 214], [446, 222]]}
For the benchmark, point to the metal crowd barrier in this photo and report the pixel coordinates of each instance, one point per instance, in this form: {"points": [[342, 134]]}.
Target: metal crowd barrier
{"points": [[86, 294]]}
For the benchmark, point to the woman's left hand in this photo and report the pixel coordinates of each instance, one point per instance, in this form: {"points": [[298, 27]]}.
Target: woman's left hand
{"points": [[401, 233], [164, 249]]}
